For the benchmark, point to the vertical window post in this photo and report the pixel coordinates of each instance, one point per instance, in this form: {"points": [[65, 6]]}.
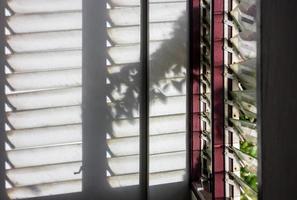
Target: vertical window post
{"points": [[218, 98], [3, 194], [144, 100]]}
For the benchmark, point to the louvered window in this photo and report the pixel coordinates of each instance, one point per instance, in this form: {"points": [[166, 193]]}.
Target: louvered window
{"points": [[229, 132], [240, 94], [43, 97], [73, 83]]}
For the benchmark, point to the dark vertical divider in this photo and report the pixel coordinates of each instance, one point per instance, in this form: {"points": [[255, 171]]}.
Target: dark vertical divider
{"points": [[218, 100], [194, 89], [144, 100], [3, 194], [94, 107], [277, 99], [259, 98]]}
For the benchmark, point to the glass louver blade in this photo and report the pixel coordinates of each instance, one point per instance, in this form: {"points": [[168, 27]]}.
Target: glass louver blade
{"points": [[246, 189], [247, 161], [244, 16], [245, 44], [246, 73], [246, 101], [246, 129]]}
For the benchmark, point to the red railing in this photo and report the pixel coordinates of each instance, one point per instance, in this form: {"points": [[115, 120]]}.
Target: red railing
{"points": [[218, 100], [195, 103]]}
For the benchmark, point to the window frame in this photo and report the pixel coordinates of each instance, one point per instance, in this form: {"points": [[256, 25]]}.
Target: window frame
{"points": [[3, 194]]}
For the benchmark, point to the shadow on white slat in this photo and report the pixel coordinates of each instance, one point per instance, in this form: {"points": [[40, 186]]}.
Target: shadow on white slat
{"points": [[45, 189], [76, 185], [117, 165], [155, 178], [137, 2], [71, 96], [165, 12], [159, 144], [25, 138], [130, 34], [72, 114]]}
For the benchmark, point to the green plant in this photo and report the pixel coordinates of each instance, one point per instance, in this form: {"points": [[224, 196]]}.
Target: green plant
{"points": [[249, 178], [248, 148]]}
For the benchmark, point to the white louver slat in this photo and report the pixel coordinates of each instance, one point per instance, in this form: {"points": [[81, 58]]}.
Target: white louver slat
{"points": [[49, 41], [46, 174], [45, 80], [31, 23], [44, 6], [45, 95], [46, 189], [44, 117], [155, 178], [25, 138], [130, 34], [160, 12], [46, 99], [137, 2], [31, 157], [160, 144], [44, 61]]}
